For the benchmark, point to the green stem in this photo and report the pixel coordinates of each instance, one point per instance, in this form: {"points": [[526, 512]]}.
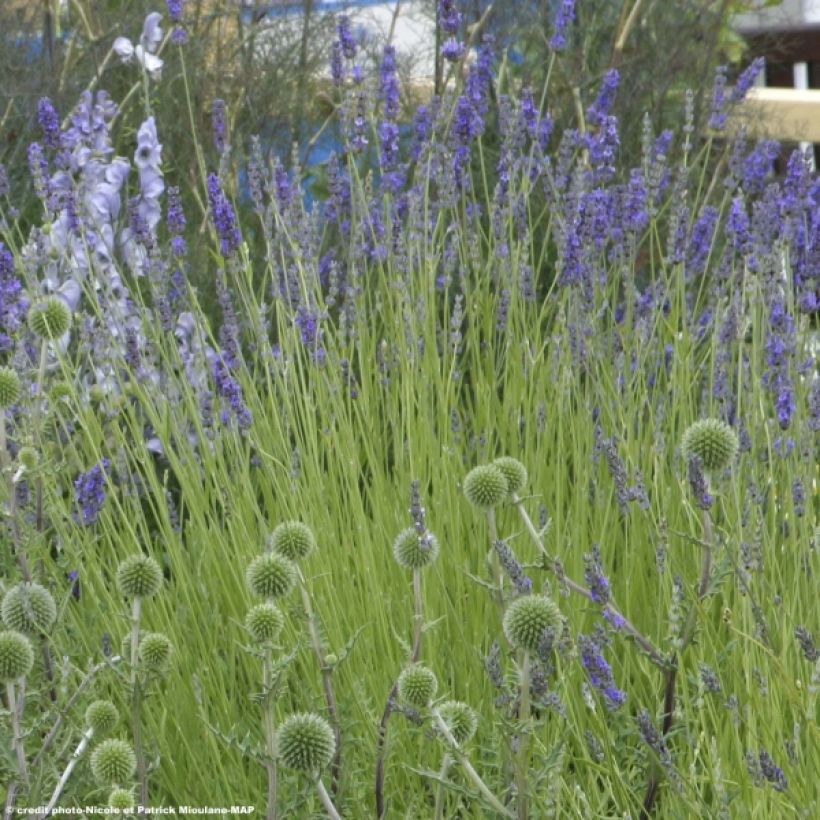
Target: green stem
{"points": [[136, 701], [331, 810], [655, 655], [270, 763], [445, 766], [522, 758], [16, 709], [498, 574], [468, 767], [327, 683]]}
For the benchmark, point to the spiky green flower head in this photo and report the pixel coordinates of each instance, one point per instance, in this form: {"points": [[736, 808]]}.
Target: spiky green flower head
{"points": [[264, 622], [50, 318], [139, 576], [28, 457], [122, 800], [271, 575], [461, 720], [485, 486], [16, 656], [155, 651], [514, 471], [417, 685], [713, 441], [113, 762], [101, 716], [413, 551], [9, 387], [29, 608], [293, 539], [305, 742], [527, 618]]}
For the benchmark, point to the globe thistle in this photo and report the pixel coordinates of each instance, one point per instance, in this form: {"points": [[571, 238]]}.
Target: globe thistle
{"points": [[101, 716], [264, 622], [29, 608], [485, 486], [271, 575], [417, 685], [527, 618], [122, 800], [514, 471], [305, 741], [414, 551], [713, 441], [9, 387], [155, 650], [28, 457], [293, 539], [113, 761], [461, 720], [49, 318], [16, 656], [139, 576]]}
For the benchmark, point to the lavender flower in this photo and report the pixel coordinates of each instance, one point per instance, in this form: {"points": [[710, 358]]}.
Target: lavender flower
{"points": [[772, 772], [806, 640], [699, 484], [513, 568], [599, 671], [49, 121], [449, 17], [717, 120], [224, 217], [175, 9], [657, 743], [563, 20], [747, 79], [228, 388], [218, 125], [594, 576], [345, 37], [90, 496], [13, 304]]}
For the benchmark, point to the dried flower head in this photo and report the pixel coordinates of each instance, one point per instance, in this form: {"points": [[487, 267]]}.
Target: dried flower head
{"points": [[271, 575], [305, 742], [514, 471], [16, 656], [417, 685], [527, 619], [9, 387], [414, 551], [29, 608], [713, 441], [264, 622], [485, 486], [113, 762], [155, 651], [293, 539], [139, 576], [49, 318], [121, 799], [461, 720], [101, 716]]}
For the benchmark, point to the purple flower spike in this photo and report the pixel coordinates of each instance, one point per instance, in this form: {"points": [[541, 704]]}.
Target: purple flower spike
{"points": [[90, 493]]}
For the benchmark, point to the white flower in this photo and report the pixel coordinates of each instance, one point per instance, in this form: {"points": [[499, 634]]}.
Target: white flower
{"points": [[150, 40], [124, 49], [150, 62]]}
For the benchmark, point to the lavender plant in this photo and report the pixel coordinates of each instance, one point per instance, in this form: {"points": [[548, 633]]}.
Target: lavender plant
{"points": [[478, 284]]}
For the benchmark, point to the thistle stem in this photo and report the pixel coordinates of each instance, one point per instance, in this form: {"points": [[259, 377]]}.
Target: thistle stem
{"points": [[327, 683], [687, 634], [468, 767], [522, 757], [415, 654], [268, 718], [16, 710], [445, 767], [494, 560], [654, 654], [136, 701], [331, 810], [72, 763]]}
